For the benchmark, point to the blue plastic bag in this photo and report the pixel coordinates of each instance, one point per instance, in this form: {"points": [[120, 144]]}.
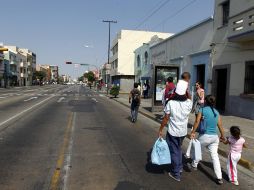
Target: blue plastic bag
{"points": [[160, 153]]}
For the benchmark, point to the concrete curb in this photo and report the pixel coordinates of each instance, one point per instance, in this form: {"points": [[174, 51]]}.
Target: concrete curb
{"points": [[243, 162]]}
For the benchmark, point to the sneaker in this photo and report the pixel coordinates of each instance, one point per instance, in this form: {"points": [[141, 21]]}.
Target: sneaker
{"points": [[235, 183], [186, 156], [219, 181], [173, 177], [190, 166]]}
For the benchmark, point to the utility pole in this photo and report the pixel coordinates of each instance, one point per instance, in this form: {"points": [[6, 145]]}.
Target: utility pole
{"points": [[108, 21]]}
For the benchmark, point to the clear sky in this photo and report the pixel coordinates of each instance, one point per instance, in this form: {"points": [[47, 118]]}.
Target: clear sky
{"points": [[59, 30]]}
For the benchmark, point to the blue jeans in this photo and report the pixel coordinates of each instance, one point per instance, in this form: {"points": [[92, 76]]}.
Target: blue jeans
{"points": [[134, 111], [174, 144]]}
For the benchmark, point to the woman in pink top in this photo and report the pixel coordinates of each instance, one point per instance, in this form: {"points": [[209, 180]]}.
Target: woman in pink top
{"points": [[236, 143]]}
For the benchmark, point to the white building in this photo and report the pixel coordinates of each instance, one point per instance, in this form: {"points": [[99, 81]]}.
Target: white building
{"points": [[122, 60], [21, 65], [233, 57]]}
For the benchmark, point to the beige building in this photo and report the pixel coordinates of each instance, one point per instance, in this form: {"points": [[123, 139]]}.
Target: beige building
{"points": [[2, 67], [122, 60], [31, 64], [233, 57]]}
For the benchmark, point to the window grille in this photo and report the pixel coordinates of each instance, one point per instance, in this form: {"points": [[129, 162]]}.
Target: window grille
{"points": [[225, 13]]}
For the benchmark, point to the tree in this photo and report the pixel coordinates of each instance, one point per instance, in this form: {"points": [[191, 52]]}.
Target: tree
{"points": [[81, 78], [40, 75], [90, 76], [114, 91]]}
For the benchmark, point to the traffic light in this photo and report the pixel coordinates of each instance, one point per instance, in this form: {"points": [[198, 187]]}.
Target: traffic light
{"points": [[68, 62], [3, 49]]}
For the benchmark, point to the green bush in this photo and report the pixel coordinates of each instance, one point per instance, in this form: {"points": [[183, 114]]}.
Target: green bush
{"points": [[114, 91]]}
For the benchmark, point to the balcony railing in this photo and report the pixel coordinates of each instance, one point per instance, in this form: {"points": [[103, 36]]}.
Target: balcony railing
{"points": [[241, 27]]}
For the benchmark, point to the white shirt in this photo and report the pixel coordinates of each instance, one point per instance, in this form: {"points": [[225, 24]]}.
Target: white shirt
{"points": [[178, 117]]}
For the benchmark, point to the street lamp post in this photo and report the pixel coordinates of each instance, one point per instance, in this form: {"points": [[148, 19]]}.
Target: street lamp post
{"points": [[109, 22]]}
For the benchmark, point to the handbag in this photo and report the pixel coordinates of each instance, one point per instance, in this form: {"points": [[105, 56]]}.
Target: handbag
{"points": [[196, 153], [160, 153], [202, 125]]}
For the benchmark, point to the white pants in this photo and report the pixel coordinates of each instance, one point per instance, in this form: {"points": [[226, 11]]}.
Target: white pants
{"points": [[233, 159], [211, 142]]}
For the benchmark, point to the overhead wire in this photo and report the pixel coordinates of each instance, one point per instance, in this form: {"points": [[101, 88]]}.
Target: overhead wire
{"points": [[150, 15], [175, 14]]}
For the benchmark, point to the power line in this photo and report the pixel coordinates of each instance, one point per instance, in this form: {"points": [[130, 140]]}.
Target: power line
{"points": [[149, 16], [173, 15]]}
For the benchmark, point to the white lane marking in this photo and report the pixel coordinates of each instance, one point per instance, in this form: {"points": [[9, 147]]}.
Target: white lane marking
{"points": [[67, 164], [30, 99], [28, 90], [2, 97], [60, 99], [94, 99], [20, 113], [101, 95]]}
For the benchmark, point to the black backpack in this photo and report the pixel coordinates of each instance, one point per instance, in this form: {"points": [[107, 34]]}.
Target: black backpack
{"points": [[135, 96]]}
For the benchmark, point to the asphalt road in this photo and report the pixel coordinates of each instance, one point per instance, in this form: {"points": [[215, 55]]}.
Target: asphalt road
{"points": [[70, 137]]}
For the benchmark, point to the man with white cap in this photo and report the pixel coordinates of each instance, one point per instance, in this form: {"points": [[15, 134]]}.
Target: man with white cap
{"points": [[176, 117]]}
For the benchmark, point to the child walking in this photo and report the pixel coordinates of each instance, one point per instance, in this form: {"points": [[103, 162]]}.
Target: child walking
{"points": [[236, 143]]}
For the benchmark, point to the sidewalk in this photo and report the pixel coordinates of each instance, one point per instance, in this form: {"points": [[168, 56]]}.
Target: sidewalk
{"points": [[246, 125]]}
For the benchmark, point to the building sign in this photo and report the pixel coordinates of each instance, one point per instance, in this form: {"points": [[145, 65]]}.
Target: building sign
{"points": [[158, 54], [161, 75]]}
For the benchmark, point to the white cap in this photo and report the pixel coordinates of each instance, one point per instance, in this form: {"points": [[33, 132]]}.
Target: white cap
{"points": [[181, 87]]}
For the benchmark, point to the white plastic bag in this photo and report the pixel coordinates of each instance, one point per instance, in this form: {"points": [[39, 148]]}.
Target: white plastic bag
{"points": [[160, 153], [194, 150]]}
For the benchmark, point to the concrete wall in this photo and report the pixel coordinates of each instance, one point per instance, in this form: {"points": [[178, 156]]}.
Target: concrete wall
{"points": [[126, 84], [234, 54], [237, 6], [187, 49]]}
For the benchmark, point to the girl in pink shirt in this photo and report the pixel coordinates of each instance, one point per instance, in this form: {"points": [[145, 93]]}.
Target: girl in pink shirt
{"points": [[236, 143]]}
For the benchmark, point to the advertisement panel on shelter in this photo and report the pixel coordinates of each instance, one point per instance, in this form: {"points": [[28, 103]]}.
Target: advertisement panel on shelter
{"points": [[161, 75]]}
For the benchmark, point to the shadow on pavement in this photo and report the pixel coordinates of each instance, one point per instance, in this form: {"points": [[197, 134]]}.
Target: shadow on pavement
{"points": [[127, 185], [209, 175]]}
